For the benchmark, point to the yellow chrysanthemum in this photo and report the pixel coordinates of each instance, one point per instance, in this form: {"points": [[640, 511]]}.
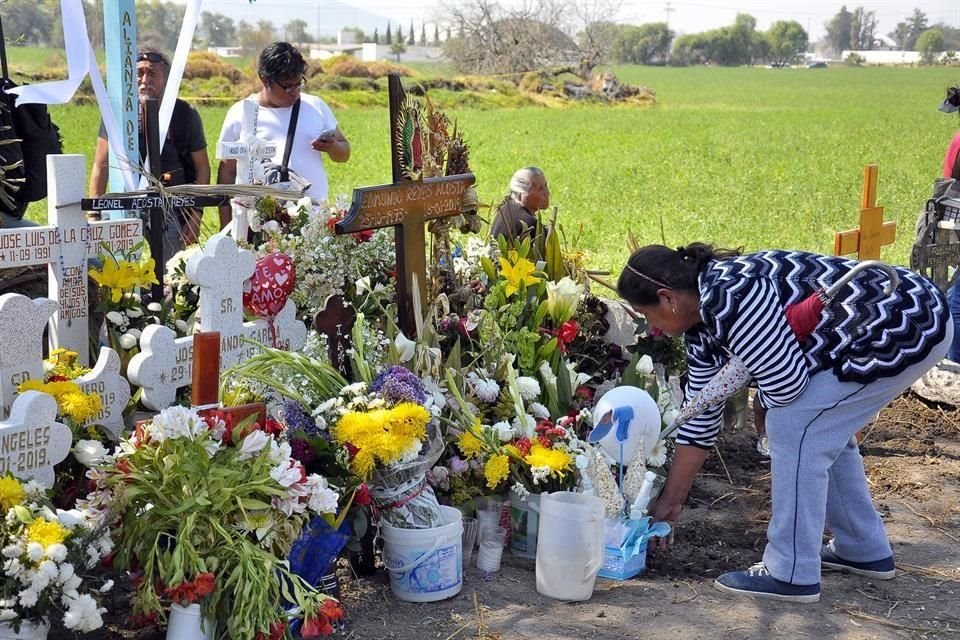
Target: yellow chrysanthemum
{"points": [[512, 451], [409, 419], [46, 533], [31, 385], [11, 492], [496, 470], [470, 445], [556, 460], [79, 407], [382, 436]]}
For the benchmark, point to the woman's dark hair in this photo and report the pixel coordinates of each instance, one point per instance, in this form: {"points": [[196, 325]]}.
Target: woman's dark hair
{"points": [[279, 61], [657, 267]]}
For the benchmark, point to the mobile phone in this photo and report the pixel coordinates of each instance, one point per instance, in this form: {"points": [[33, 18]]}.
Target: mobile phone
{"points": [[326, 134]]}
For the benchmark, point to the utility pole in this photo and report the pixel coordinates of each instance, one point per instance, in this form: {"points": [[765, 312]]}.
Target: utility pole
{"points": [[668, 11]]}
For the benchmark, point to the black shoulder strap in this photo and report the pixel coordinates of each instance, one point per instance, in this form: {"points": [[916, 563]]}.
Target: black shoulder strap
{"points": [[294, 113]]}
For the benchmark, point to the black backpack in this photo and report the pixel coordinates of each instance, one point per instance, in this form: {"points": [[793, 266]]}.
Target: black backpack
{"points": [[27, 136]]}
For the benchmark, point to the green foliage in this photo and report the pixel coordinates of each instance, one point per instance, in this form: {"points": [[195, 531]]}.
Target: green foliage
{"points": [[646, 44], [930, 44], [788, 41], [728, 155]]}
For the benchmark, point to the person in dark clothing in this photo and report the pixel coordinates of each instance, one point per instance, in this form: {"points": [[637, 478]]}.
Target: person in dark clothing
{"points": [[516, 216], [183, 157]]}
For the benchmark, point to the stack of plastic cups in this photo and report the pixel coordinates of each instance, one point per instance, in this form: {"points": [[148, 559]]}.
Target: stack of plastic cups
{"points": [[471, 527], [488, 512], [491, 549]]}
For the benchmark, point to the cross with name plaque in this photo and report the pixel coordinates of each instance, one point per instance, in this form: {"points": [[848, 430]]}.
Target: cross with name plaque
{"points": [[65, 245], [165, 362], [407, 207]]}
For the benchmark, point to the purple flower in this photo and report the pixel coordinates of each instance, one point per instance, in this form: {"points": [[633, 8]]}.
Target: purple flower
{"points": [[296, 419], [458, 466], [302, 451], [398, 384]]}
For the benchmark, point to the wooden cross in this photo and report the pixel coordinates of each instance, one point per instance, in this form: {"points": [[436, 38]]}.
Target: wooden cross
{"points": [[205, 396], [873, 233], [406, 206], [336, 321]]}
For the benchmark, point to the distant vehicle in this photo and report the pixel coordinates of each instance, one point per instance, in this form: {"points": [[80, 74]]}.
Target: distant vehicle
{"points": [[817, 64]]}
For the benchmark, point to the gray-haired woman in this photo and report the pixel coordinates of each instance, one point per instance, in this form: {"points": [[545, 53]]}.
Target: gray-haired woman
{"points": [[517, 215]]}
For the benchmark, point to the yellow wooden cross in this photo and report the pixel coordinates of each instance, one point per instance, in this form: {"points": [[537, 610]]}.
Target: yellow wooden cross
{"points": [[873, 233]]}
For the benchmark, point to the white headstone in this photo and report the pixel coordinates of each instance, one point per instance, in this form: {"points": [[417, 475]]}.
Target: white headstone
{"points": [[114, 391], [165, 362], [31, 439], [22, 321], [64, 245]]}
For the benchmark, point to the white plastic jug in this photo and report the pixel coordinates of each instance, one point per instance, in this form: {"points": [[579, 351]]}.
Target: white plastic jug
{"points": [[569, 545]]}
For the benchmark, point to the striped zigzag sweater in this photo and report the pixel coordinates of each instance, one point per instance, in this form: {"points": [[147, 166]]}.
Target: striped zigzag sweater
{"points": [[862, 335]]}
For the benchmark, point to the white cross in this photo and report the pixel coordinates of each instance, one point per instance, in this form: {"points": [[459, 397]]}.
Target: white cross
{"points": [[251, 154], [21, 351], [165, 362], [31, 439], [64, 245], [21, 359]]}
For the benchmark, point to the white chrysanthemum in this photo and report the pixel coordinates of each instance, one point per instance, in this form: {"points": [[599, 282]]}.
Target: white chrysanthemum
{"points": [[324, 500], [83, 614], [66, 572], [12, 567], [90, 452], [13, 550], [253, 444], [35, 551], [658, 456], [28, 597], [525, 426], [504, 431], [106, 586], [34, 489], [485, 389], [538, 411], [529, 388], [57, 552], [7, 614], [116, 318]]}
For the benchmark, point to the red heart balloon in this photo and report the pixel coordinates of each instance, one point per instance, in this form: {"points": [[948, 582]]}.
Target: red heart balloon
{"points": [[267, 290]]}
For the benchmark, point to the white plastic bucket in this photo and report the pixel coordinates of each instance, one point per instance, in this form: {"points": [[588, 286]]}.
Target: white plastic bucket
{"points": [[183, 623], [425, 565], [524, 524], [569, 545], [28, 631]]}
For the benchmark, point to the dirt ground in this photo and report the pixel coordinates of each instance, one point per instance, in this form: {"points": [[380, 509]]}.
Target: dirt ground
{"points": [[912, 455]]}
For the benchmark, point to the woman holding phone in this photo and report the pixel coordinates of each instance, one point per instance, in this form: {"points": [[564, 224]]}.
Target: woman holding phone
{"points": [[313, 132]]}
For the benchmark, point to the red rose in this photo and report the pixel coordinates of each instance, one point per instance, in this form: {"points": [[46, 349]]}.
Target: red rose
{"points": [[363, 236], [273, 427]]}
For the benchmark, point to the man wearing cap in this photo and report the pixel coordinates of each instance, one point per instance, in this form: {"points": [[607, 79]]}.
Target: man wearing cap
{"points": [[183, 158]]}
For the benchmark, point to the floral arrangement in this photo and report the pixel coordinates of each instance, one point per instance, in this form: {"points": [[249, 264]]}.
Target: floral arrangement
{"points": [[529, 453], [328, 264], [389, 429], [207, 510], [47, 554]]}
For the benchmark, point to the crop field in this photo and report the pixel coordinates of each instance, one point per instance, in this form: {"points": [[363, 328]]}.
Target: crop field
{"points": [[746, 156]]}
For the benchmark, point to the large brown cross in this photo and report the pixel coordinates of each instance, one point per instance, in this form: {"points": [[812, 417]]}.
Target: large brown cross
{"points": [[205, 395], [407, 207], [873, 233]]}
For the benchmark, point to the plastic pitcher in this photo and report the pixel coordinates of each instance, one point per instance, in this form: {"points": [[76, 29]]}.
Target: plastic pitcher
{"points": [[569, 545]]}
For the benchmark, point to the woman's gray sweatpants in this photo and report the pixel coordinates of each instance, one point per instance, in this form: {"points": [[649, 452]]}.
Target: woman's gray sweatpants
{"points": [[818, 476]]}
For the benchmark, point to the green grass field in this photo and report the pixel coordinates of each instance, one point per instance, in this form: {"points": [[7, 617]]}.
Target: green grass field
{"points": [[747, 156]]}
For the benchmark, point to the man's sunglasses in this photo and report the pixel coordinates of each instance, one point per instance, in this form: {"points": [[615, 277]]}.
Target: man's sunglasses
{"points": [[151, 56]]}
